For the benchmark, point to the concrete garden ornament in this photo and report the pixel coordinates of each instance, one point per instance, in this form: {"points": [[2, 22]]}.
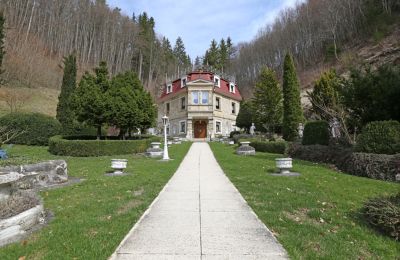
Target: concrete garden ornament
{"points": [[118, 165]]}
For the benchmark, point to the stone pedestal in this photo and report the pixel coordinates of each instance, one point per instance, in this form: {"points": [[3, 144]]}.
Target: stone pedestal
{"points": [[245, 149], [154, 151], [284, 166], [118, 165]]}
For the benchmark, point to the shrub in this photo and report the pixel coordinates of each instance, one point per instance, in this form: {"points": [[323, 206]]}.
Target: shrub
{"points": [[375, 166], [384, 214], [37, 128], [233, 133], [316, 132], [280, 147], [380, 137], [82, 148]]}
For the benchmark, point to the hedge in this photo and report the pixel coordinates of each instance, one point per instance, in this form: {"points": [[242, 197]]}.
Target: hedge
{"points": [[59, 145], [280, 147], [380, 137], [37, 128], [316, 132], [375, 166], [383, 213]]}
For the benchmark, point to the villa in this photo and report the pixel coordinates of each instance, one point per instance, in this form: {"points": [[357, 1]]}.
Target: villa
{"points": [[199, 105]]}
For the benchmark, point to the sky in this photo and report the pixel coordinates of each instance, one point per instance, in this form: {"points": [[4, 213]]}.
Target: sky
{"points": [[198, 22]]}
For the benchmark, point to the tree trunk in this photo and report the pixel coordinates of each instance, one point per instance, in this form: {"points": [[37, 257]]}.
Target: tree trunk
{"points": [[98, 132]]}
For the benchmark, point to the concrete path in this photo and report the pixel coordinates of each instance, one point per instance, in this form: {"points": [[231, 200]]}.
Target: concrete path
{"points": [[199, 215]]}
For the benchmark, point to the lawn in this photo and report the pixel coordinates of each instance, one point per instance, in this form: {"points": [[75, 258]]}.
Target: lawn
{"points": [[92, 217], [315, 215]]}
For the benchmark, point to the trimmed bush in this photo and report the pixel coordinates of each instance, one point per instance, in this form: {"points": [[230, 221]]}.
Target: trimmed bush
{"points": [[38, 128], [384, 214], [316, 132], [233, 133], [375, 166], [83, 148], [280, 147], [371, 165], [380, 137]]}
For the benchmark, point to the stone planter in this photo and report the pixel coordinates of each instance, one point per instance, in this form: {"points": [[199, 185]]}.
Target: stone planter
{"points": [[154, 151], [119, 165], [45, 174], [284, 165], [14, 228], [245, 149], [177, 140]]}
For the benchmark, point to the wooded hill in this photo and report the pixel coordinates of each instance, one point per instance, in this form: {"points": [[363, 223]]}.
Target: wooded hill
{"points": [[317, 33], [40, 32]]}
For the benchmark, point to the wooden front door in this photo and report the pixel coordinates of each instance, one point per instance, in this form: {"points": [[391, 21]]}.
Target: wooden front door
{"points": [[200, 129]]}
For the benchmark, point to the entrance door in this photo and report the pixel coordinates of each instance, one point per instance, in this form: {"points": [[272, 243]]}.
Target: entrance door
{"points": [[200, 129]]}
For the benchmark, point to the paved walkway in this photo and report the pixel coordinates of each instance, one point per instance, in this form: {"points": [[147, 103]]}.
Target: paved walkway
{"points": [[199, 215]]}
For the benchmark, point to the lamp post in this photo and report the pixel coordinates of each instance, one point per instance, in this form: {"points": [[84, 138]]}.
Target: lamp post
{"points": [[165, 122]]}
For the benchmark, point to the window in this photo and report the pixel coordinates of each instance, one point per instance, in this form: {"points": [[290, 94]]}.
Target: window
{"points": [[217, 81], [183, 82], [183, 103], [200, 97], [217, 127], [217, 103], [167, 108], [204, 97], [169, 88], [182, 127], [233, 108], [232, 87], [167, 130], [195, 96]]}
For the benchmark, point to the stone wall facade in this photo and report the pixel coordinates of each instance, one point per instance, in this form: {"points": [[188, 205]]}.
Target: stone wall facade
{"points": [[184, 112]]}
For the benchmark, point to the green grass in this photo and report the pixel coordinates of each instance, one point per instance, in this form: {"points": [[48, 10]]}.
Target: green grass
{"points": [[315, 215], [92, 217]]}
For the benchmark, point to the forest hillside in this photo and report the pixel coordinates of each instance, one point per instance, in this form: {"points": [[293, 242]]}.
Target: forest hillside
{"points": [[320, 34]]}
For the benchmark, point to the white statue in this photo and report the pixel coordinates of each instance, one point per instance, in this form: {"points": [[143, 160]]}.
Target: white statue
{"points": [[300, 130], [252, 128], [335, 128]]}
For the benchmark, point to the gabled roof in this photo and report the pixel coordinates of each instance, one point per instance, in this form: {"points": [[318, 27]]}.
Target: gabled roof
{"points": [[200, 77]]}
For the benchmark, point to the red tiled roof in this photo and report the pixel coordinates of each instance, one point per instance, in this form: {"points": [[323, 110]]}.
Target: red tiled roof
{"points": [[196, 75]]}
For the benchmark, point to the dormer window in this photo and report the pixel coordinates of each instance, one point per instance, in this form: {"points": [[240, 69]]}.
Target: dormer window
{"points": [[169, 88], [183, 82], [232, 87], [217, 81]]}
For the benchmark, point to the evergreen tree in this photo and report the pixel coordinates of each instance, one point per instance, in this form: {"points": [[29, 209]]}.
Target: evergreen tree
{"points": [[212, 54], [183, 61], [65, 114], [245, 116], [197, 62], [325, 94], [135, 109], [90, 98], [292, 111], [267, 101], [2, 36], [223, 55]]}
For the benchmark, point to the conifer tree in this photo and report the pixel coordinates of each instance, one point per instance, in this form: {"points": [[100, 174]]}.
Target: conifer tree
{"points": [[245, 116], [2, 36], [180, 54], [211, 57], [65, 113], [325, 94], [90, 98], [292, 111], [267, 101]]}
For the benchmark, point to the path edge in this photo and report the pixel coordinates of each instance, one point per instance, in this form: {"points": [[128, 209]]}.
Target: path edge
{"points": [[114, 255]]}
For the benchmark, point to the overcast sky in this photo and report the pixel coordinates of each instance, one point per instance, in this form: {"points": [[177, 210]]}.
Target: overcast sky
{"points": [[198, 22]]}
